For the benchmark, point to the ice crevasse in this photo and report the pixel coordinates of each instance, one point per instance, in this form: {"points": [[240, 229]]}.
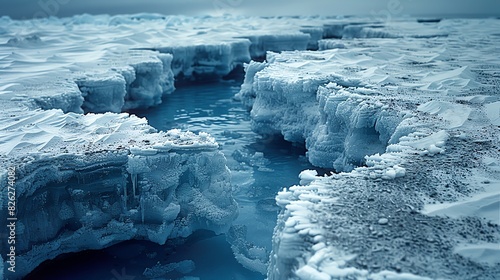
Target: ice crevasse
{"points": [[365, 107], [91, 180]]}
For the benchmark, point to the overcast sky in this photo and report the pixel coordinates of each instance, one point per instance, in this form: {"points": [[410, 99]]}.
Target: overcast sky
{"points": [[26, 9]]}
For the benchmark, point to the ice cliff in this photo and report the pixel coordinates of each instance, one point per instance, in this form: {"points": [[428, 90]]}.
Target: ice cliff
{"points": [[90, 181], [410, 123], [407, 110]]}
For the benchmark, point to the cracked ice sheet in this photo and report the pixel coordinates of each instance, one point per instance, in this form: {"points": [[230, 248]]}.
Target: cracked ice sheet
{"points": [[42, 59], [436, 118], [40, 65]]}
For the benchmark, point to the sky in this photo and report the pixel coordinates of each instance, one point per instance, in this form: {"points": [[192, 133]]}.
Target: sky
{"points": [[27, 9]]}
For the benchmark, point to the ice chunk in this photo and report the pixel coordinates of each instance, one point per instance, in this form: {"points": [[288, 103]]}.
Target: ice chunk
{"points": [[309, 273], [73, 175], [307, 176], [250, 256], [346, 225]]}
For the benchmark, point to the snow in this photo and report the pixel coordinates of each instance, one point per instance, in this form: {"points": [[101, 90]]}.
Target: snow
{"points": [[115, 176], [482, 253], [307, 176], [403, 122], [493, 112], [406, 112], [485, 204], [136, 65], [455, 114]]}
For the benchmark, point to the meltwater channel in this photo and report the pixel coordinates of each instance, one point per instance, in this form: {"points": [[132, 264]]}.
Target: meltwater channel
{"points": [[260, 167]]}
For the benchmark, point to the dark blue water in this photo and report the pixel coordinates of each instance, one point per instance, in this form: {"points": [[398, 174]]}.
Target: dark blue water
{"points": [[260, 167]]}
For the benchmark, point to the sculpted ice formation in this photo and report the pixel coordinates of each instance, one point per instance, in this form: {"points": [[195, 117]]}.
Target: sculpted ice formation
{"points": [[406, 121], [406, 111], [90, 181]]}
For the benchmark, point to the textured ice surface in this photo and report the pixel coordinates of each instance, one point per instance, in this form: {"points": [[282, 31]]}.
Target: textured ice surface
{"points": [[134, 59], [338, 100], [132, 62], [90, 181], [408, 109], [418, 117]]}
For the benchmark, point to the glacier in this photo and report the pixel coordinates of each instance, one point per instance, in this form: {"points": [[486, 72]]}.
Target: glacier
{"points": [[404, 112]]}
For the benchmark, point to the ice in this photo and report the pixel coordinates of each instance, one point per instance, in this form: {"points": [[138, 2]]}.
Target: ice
{"points": [[106, 178], [401, 133], [350, 92], [192, 48], [250, 256], [131, 64], [405, 111], [136, 66], [332, 121], [307, 176]]}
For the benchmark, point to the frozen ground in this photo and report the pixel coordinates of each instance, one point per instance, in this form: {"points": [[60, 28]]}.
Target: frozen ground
{"points": [[409, 111]]}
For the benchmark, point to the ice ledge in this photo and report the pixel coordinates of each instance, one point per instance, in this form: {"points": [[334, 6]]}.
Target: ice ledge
{"points": [[440, 147], [91, 181], [119, 72], [366, 224], [335, 101]]}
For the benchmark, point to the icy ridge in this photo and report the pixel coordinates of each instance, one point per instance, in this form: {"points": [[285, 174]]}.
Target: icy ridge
{"points": [[420, 125], [111, 71], [328, 99], [91, 181]]}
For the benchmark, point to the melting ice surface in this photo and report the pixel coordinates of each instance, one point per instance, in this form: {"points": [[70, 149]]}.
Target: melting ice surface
{"points": [[424, 100]]}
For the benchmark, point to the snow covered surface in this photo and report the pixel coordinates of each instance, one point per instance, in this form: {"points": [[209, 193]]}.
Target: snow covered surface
{"points": [[97, 179], [413, 120], [104, 63], [90, 181], [407, 110]]}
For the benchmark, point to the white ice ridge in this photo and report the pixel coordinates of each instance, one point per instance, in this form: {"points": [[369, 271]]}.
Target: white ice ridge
{"points": [[336, 101], [132, 62], [413, 123], [91, 181]]}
